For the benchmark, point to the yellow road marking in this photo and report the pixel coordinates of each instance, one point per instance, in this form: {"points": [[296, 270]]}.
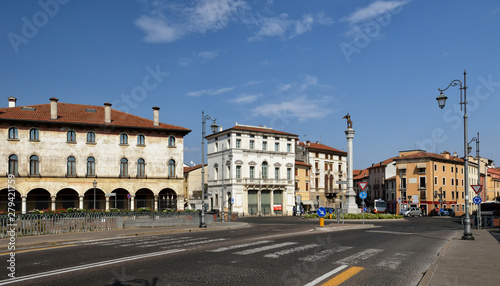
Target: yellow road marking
{"points": [[341, 278], [36, 249]]}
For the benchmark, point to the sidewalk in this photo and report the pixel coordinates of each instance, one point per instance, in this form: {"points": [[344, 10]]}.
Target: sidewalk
{"points": [[467, 262], [47, 240]]}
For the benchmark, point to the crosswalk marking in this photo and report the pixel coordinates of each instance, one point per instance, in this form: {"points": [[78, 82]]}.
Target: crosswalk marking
{"points": [[203, 241], [324, 253], [171, 242], [359, 256], [394, 261], [326, 275], [264, 248], [292, 250], [221, 249]]}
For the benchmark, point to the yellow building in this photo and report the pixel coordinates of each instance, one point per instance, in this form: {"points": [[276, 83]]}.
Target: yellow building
{"points": [[430, 181], [302, 187], [492, 191]]}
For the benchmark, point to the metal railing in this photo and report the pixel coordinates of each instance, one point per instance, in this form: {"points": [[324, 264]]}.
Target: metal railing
{"points": [[43, 224]]}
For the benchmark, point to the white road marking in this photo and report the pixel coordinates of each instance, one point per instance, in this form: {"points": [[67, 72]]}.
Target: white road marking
{"points": [[239, 246], [390, 232], [324, 253], [359, 256], [86, 266], [394, 261], [326, 275], [264, 248], [291, 250], [203, 242]]}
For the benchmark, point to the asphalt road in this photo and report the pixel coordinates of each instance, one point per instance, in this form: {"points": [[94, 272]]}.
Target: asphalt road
{"points": [[271, 251]]}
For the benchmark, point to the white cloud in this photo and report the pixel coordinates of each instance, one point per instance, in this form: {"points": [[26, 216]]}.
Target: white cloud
{"points": [[245, 99], [283, 27], [373, 10], [208, 55], [202, 92], [301, 108], [203, 16]]}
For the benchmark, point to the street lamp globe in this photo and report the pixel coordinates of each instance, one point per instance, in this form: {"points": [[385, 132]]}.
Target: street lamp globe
{"points": [[214, 127], [441, 100]]}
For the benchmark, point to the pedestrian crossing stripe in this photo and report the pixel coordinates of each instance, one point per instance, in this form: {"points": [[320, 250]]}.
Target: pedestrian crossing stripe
{"points": [[232, 247], [292, 250], [359, 256], [324, 253], [264, 248]]}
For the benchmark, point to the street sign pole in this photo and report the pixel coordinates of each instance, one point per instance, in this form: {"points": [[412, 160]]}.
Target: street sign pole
{"points": [[478, 189]]}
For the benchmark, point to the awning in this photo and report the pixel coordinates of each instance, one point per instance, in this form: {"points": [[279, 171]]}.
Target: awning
{"points": [[421, 165], [402, 166]]}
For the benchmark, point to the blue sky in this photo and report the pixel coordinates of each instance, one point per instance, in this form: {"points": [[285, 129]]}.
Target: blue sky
{"points": [[296, 66]]}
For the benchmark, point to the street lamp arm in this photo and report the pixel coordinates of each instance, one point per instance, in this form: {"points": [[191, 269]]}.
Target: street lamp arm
{"points": [[453, 83]]}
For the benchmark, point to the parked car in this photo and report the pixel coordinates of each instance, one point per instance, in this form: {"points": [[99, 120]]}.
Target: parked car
{"points": [[448, 212], [411, 212]]}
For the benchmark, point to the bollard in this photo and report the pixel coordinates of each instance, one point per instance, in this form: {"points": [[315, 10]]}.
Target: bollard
{"points": [[321, 222]]}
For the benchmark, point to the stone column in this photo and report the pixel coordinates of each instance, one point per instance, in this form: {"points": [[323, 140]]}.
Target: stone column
{"points": [[23, 204], [271, 199], [53, 203], [107, 203], [81, 202], [156, 202], [259, 202], [350, 196], [132, 202]]}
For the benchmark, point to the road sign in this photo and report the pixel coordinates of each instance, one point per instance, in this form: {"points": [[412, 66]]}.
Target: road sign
{"points": [[477, 188], [341, 182], [330, 210], [364, 209], [477, 200], [362, 185], [129, 196], [362, 195], [321, 212]]}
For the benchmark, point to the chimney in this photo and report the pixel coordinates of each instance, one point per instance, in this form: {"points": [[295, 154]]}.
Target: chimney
{"points": [[308, 143], [53, 108], [455, 154], [156, 116], [12, 101], [107, 112]]}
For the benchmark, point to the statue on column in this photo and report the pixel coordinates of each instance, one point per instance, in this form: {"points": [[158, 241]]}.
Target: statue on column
{"points": [[349, 121]]}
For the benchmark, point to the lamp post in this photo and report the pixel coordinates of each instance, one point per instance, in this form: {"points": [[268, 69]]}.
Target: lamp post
{"points": [[94, 183], [224, 164], [442, 101], [214, 129], [469, 149]]}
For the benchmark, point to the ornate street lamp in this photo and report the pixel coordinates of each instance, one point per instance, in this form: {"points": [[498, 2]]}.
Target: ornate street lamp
{"points": [[442, 101], [94, 183], [214, 128]]}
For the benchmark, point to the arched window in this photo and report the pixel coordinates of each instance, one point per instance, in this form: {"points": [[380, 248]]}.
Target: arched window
{"points": [[71, 136], [71, 166], [34, 165], [123, 138], [13, 133], [171, 168], [90, 166], [141, 140], [34, 134], [171, 141], [90, 137], [141, 167], [264, 170], [123, 167], [13, 165]]}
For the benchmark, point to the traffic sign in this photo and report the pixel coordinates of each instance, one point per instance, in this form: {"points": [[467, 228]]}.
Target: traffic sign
{"points": [[129, 196], [321, 212], [362, 195], [477, 200], [330, 210], [364, 209], [362, 185], [477, 188]]}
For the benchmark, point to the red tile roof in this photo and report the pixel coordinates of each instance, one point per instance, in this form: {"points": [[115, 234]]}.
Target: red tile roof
{"points": [[322, 147], [189, 169], [256, 130], [362, 174], [300, 163], [77, 114], [426, 155], [383, 163]]}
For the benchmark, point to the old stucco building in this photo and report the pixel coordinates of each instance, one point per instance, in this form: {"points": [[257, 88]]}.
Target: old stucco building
{"points": [[56, 151]]}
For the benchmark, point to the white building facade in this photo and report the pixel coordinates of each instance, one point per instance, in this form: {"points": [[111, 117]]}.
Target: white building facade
{"points": [[251, 170]]}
